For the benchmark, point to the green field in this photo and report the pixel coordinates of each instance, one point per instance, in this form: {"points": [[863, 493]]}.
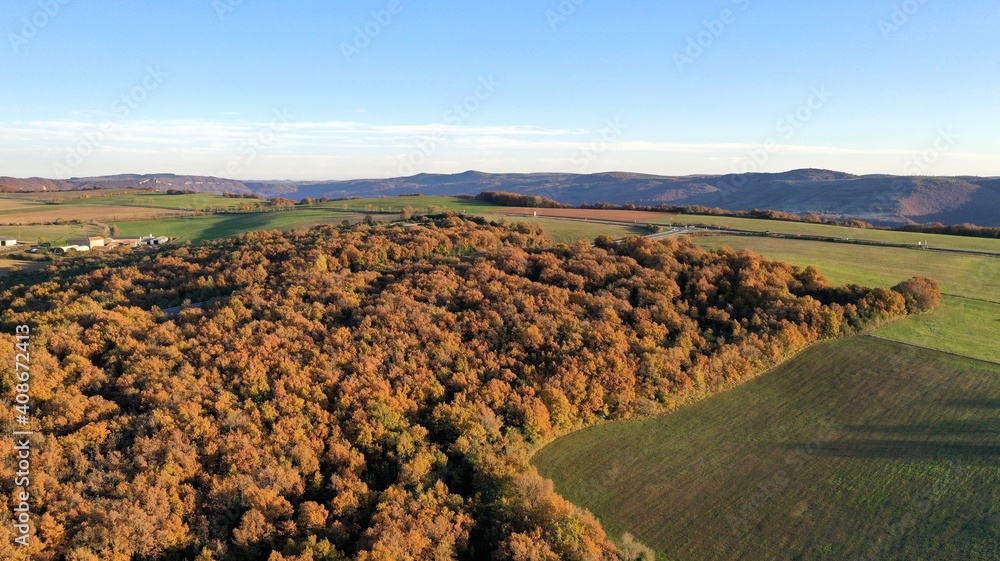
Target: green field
{"points": [[961, 326], [216, 226], [963, 275], [808, 229], [558, 230], [201, 228], [716, 481], [74, 199], [197, 201], [416, 204], [571, 231], [857, 448], [55, 233]]}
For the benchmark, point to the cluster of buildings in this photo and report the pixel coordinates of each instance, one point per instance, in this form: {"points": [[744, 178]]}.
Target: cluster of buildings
{"points": [[93, 242]]}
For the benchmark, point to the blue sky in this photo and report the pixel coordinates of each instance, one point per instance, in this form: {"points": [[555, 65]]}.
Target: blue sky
{"points": [[262, 89]]}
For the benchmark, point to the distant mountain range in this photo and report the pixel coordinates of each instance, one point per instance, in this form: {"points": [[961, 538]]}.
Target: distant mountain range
{"points": [[884, 199]]}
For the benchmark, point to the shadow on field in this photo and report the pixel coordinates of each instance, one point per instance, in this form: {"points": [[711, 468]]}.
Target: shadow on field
{"points": [[971, 441], [945, 428], [913, 450], [976, 403]]}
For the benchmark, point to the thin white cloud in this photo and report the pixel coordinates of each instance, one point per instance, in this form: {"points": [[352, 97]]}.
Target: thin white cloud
{"points": [[346, 149]]}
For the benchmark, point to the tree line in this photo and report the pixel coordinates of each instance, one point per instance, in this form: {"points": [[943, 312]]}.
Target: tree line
{"points": [[504, 198]]}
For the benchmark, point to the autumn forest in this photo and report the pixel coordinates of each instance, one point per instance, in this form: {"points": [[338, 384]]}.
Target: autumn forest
{"points": [[375, 392]]}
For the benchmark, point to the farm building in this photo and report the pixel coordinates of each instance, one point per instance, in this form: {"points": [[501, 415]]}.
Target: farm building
{"points": [[154, 240], [62, 250], [123, 241], [91, 242], [7, 241]]}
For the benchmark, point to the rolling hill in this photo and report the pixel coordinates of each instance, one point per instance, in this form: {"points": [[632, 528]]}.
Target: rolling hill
{"points": [[885, 199]]}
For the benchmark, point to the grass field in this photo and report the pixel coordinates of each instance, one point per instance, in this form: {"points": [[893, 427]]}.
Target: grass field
{"points": [[639, 216], [55, 233], [774, 226], [961, 326], [963, 275], [570, 231], [197, 201], [97, 213], [69, 201], [857, 448], [417, 204], [112, 206], [216, 226], [887, 236]]}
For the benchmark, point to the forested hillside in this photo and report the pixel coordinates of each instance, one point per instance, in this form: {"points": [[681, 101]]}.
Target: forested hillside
{"points": [[883, 199], [374, 392]]}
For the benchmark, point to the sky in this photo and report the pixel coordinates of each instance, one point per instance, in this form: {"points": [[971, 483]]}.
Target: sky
{"points": [[310, 89]]}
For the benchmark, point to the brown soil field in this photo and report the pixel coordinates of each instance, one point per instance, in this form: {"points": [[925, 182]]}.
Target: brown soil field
{"points": [[99, 213], [17, 204], [617, 215], [6, 264]]}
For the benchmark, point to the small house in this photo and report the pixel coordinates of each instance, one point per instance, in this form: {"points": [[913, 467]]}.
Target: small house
{"points": [[7, 241]]}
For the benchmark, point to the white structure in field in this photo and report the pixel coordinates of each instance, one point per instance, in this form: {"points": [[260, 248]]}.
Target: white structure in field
{"points": [[62, 250], [154, 240], [7, 241]]}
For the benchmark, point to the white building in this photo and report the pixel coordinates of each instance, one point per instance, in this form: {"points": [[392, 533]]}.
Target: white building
{"points": [[7, 241], [154, 240], [62, 250]]}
